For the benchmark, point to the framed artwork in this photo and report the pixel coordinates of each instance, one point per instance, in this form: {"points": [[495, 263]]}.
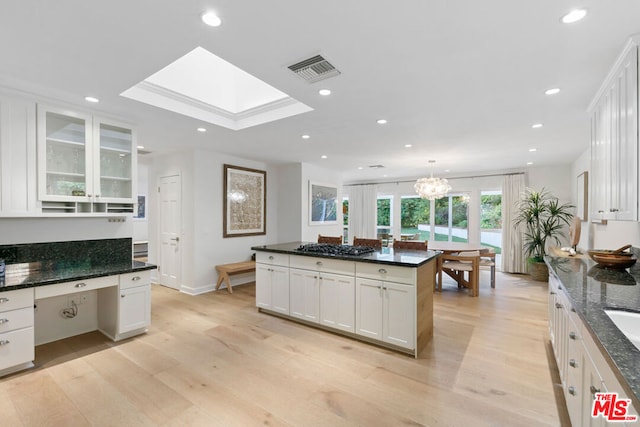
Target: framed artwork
{"points": [[582, 196], [323, 204], [244, 202], [141, 211]]}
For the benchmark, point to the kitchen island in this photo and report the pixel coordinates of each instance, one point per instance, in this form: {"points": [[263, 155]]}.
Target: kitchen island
{"points": [[592, 354], [384, 297]]}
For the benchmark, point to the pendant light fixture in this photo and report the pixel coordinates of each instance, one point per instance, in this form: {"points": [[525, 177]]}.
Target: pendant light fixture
{"points": [[432, 188]]}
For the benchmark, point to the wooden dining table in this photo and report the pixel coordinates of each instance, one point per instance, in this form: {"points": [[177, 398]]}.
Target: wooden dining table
{"points": [[453, 247]]}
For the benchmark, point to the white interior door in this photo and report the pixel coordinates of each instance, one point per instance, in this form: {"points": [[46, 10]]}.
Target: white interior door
{"points": [[170, 224]]}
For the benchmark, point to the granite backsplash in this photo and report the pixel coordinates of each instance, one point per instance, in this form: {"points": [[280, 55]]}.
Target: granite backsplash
{"points": [[94, 252]]}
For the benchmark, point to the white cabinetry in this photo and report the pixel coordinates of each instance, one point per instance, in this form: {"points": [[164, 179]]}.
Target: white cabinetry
{"points": [[385, 309], [272, 282], [16, 330], [614, 141], [322, 291], [583, 369], [85, 164], [18, 194], [125, 310]]}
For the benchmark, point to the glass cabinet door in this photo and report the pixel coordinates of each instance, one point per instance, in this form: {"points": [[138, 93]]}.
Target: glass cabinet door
{"points": [[63, 156], [115, 162]]}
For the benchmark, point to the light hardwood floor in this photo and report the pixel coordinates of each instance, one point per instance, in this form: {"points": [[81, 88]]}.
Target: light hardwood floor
{"points": [[214, 360]]}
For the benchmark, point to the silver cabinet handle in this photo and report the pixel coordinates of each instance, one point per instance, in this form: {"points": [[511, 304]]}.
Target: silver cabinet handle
{"points": [[3, 321], [572, 335], [572, 390], [318, 262], [4, 342], [136, 278], [175, 239], [382, 271], [594, 390], [572, 363], [3, 300], [81, 285]]}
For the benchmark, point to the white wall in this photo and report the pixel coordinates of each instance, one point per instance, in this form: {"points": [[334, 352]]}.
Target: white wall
{"points": [[610, 236], [289, 201]]}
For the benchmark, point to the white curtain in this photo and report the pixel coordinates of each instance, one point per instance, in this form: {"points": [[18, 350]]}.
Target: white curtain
{"points": [[513, 258], [363, 207]]}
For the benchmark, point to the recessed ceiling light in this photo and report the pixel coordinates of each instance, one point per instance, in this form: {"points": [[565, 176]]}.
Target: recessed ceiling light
{"points": [[305, 137], [324, 92], [381, 121], [201, 130], [537, 125], [211, 19], [323, 157], [384, 176], [140, 147], [360, 168], [552, 91], [91, 99], [447, 170], [574, 16], [408, 145], [529, 163], [531, 150]]}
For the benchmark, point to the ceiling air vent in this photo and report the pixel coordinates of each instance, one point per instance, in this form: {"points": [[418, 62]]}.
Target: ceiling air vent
{"points": [[314, 69], [376, 166]]}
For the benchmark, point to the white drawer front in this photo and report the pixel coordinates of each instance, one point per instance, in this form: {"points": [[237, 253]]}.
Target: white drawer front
{"points": [[19, 298], [390, 273], [272, 258], [76, 286], [16, 347], [131, 280], [323, 264], [16, 319]]}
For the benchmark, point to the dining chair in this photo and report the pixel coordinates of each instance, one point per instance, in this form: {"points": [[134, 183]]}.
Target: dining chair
{"points": [[455, 266], [488, 259], [410, 244], [371, 243], [330, 239]]}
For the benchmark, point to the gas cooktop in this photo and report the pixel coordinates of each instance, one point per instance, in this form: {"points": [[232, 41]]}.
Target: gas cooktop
{"points": [[328, 249]]}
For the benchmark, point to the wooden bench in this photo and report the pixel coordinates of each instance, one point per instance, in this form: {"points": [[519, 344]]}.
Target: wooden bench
{"points": [[225, 270]]}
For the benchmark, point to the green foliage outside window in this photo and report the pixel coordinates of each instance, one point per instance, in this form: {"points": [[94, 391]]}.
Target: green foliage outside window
{"points": [[384, 211], [491, 211]]}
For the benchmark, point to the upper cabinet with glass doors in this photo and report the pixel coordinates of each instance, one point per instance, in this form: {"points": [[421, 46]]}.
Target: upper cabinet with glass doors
{"points": [[85, 160]]}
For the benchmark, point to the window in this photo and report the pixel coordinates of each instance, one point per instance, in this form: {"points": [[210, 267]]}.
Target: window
{"points": [[452, 218], [414, 216], [345, 219], [384, 218], [491, 219]]}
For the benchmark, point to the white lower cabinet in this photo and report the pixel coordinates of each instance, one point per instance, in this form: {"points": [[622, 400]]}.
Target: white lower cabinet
{"points": [[272, 287], [125, 310], [385, 311], [337, 302], [16, 330], [304, 291]]}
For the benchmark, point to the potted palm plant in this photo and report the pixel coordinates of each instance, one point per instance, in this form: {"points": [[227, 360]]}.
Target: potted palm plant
{"points": [[544, 219]]}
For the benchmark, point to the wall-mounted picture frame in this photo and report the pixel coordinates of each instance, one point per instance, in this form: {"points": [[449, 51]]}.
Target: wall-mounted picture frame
{"points": [[141, 209], [323, 204], [244, 201], [582, 196]]}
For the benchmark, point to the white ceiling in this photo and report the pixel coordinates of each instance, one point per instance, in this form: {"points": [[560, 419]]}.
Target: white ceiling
{"points": [[460, 80]]}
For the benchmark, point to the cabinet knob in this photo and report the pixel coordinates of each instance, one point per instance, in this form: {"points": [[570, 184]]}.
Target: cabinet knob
{"points": [[271, 257], [594, 390], [4, 342], [600, 211], [572, 390], [558, 305], [121, 296], [572, 363], [3, 300], [88, 195], [572, 335], [3, 321], [81, 285], [552, 293], [136, 278]]}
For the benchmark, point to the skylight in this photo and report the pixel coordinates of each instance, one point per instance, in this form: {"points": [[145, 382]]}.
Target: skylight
{"points": [[206, 87]]}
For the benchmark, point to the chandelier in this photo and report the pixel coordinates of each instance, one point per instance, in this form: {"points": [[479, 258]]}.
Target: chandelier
{"points": [[432, 188]]}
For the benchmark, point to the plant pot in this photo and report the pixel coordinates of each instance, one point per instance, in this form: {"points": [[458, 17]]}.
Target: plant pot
{"points": [[539, 271]]}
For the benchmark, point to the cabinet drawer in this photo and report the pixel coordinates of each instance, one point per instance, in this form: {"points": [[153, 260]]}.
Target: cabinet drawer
{"points": [[76, 286], [12, 300], [138, 278], [16, 319], [323, 264], [272, 258], [16, 347], [390, 273]]}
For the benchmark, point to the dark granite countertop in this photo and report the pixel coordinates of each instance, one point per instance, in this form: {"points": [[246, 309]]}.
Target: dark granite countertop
{"points": [[42, 273], [592, 288], [404, 258]]}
